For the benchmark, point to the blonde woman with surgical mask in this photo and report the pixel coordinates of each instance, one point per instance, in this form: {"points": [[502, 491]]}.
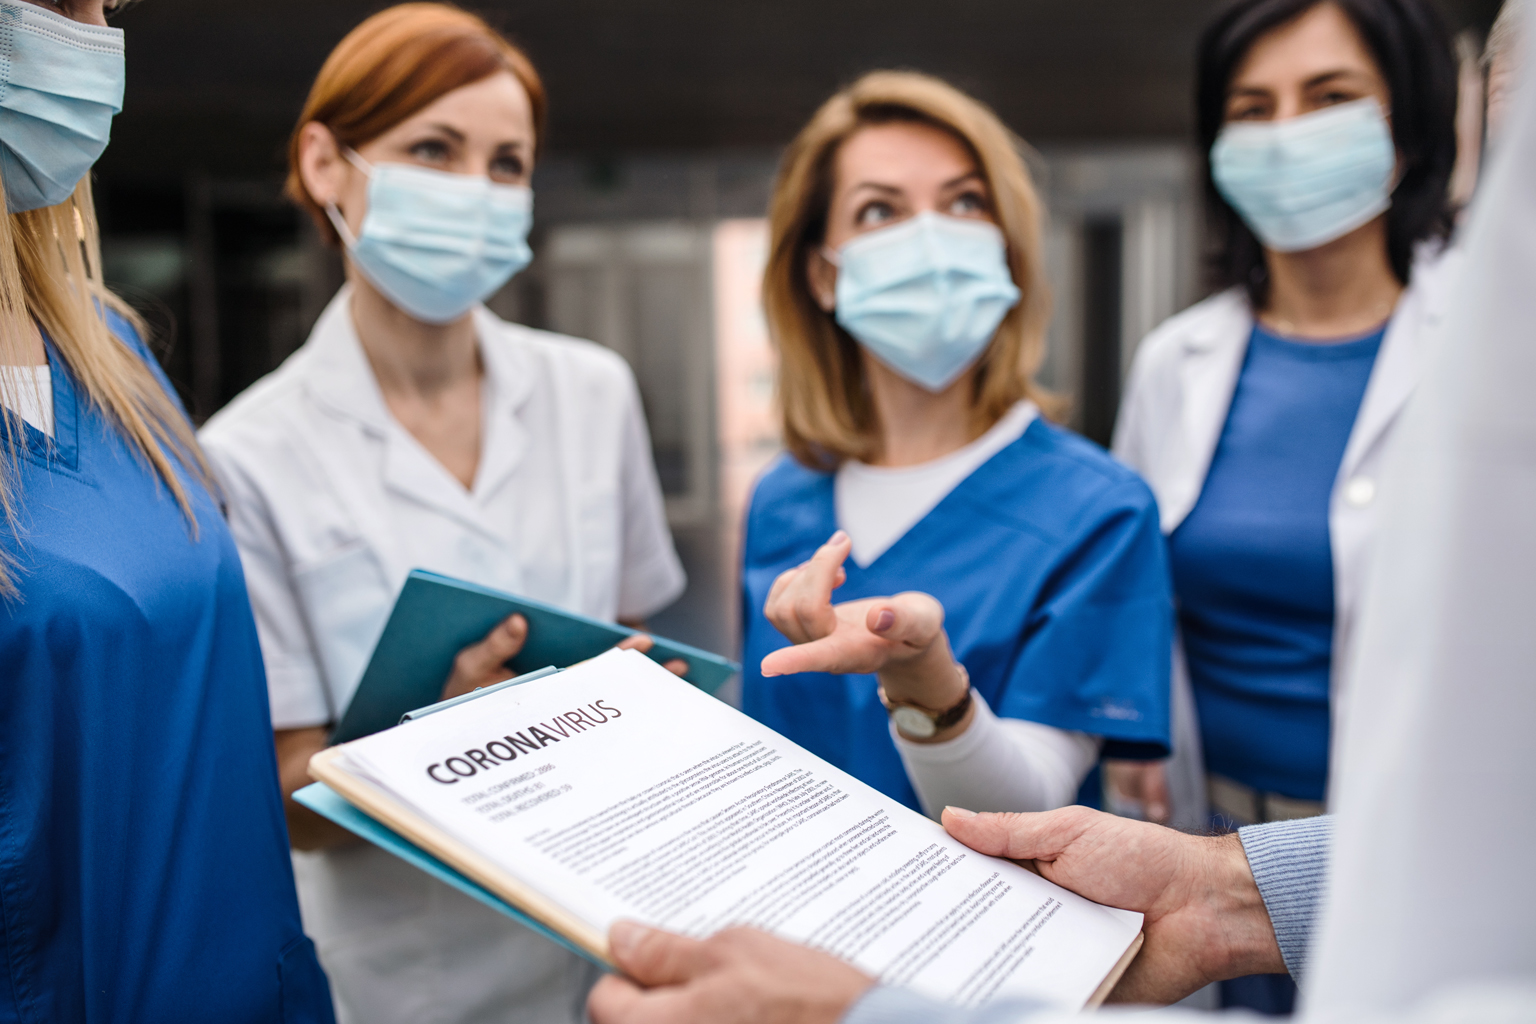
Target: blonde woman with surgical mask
{"points": [[905, 294], [1261, 417], [144, 872], [414, 429]]}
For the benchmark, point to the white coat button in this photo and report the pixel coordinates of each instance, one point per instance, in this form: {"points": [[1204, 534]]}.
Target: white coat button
{"points": [[1360, 491]]}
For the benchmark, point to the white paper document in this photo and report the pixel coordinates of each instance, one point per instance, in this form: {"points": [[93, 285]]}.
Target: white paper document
{"points": [[617, 790]]}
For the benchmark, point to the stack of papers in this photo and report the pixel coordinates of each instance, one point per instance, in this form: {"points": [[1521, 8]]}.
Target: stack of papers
{"points": [[615, 790]]}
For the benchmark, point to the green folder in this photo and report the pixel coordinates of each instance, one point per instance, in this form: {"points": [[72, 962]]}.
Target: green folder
{"points": [[327, 803], [436, 616]]}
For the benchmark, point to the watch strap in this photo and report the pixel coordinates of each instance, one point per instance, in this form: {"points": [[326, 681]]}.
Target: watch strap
{"points": [[941, 719]]}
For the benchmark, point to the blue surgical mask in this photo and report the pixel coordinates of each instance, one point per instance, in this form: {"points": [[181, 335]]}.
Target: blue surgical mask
{"points": [[925, 296], [61, 82], [1305, 181], [437, 244]]}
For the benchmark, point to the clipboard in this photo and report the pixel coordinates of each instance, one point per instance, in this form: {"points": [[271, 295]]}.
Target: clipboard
{"points": [[368, 812], [437, 616], [329, 804]]}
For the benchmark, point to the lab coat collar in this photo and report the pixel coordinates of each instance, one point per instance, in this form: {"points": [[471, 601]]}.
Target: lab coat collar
{"points": [[339, 376], [509, 372], [1213, 358], [341, 379], [1397, 363]]}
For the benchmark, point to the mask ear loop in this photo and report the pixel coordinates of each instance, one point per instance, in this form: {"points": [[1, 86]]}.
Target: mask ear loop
{"points": [[333, 212], [829, 254]]}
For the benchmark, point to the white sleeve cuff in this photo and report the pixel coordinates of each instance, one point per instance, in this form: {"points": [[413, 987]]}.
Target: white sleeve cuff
{"points": [[998, 765]]}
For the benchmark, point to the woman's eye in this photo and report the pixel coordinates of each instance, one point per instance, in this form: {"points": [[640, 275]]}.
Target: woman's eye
{"points": [[506, 168], [874, 213], [1336, 96], [430, 151], [1248, 112], [968, 204]]}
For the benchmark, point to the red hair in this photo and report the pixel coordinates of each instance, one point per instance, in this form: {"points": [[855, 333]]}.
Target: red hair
{"points": [[394, 64]]}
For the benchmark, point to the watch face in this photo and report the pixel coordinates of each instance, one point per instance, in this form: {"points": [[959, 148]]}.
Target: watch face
{"points": [[913, 722]]}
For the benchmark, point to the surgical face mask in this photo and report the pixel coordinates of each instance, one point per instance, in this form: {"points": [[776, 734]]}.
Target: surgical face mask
{"points": [[437, 244], [60, 84], [1305, 181], [925, 296]]}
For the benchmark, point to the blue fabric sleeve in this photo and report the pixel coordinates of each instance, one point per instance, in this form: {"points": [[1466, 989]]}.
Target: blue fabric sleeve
{"points": [[1098, 649], [885, 1005], [1290, 864]]}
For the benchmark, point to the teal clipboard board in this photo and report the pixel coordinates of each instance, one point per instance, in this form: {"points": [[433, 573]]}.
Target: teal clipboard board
{"points": [[436, 616], [327, 803]]}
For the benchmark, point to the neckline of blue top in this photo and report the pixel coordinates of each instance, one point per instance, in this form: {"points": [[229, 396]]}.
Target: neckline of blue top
{"points": [[1351, 346]]}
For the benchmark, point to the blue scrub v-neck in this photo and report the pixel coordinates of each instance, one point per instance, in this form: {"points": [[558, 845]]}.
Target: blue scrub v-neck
{"points": [[1051, 569]]}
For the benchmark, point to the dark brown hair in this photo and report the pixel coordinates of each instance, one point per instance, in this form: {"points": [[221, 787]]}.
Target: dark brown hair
{"points": [[1413, 52]]}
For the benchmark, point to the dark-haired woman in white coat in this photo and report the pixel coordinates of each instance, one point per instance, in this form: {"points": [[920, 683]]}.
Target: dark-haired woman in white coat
{"points": [[1261, 416]]}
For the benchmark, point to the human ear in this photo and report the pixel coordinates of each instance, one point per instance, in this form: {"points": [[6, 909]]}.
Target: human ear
{"points": [[821, 276], [321, 165]]}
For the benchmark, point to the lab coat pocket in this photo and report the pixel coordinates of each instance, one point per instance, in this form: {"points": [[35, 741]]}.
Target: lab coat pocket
{"points": [[346, 601]]}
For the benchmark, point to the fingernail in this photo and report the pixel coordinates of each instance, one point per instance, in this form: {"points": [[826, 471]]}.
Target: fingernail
{"points": [[624, 938], [960, 812], [838, 537], [885, 620]]}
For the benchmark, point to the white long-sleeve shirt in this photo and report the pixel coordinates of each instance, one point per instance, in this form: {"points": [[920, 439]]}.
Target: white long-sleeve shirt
{"points": [[999, 764]]}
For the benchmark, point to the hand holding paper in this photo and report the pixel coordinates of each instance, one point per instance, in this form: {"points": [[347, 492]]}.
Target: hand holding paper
{"points": [[1205, 920], [738, 976], [614, 791]]}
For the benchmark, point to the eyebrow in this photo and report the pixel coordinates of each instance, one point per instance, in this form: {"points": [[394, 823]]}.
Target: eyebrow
{"points": [[893, 190], [1310, 83], [448, 130]]}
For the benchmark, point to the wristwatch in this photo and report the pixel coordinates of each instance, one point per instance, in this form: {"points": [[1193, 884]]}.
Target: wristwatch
{"points": [[920, 723]]}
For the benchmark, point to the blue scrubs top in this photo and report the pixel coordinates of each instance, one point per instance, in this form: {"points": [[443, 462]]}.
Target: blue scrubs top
{"points": [[1253, 563], [144, 866], [1052, 572]]}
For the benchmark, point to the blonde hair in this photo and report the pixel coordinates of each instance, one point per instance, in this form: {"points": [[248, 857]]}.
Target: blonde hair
{"points": [[828, 415], [50, 274]]}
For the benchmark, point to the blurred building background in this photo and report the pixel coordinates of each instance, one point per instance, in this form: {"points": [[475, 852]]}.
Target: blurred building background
{"points": [[667, 117]]}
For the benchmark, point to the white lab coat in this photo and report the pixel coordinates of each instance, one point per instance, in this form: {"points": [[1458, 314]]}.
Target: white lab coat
{"points": [[1432, 884], [332, 503], [1179, 390]]}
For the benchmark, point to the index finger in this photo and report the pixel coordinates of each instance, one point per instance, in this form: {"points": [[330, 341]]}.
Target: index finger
{"points": [[824, 572]]}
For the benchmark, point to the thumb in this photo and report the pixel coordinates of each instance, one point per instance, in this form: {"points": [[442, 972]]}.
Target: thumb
{"points": [[911, 620], [500, 645], [1017, 836], [654, 957]]}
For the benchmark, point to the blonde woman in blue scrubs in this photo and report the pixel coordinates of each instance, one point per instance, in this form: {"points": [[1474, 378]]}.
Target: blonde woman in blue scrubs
{"points": [[905, 294], [144, 871]]}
